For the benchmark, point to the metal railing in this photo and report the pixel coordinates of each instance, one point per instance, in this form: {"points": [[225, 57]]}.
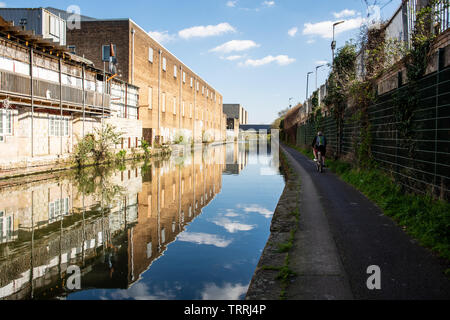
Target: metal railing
{"points": [[11, 83]]}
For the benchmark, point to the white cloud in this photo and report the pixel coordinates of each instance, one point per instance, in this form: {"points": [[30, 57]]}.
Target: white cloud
{"points": [[321, 62], [206, 31], [344, 13], [310, 41], [230, 292], [281, 60], [233, 58], [324, 29], [162, 36], [268, 4], [235, 45], [204, 239], [292, 32], [2, 5], [231, 4]]}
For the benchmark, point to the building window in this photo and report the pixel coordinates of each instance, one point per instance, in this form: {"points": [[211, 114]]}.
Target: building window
{"points": [[58, 209], [174, 105], [6, 119], [192, 82], [190, 111], [54, 26], [6, 227], [198, 86], [163, 102], [182, 111], [184, 77], [106, 52], [150, 55], [72, 49], [164, 64], [150, 97], [58, 127], [175, 71]]}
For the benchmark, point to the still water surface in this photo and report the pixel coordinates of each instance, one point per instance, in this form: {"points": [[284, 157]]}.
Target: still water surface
{"points": [[191, 228]]}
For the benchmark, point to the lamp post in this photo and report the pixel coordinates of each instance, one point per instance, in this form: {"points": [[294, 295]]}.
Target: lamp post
{"points": [[307, 85], [333, 44], [317, 69], [317, 88]]}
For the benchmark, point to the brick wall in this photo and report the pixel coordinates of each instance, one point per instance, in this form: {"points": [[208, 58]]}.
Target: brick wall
{"points": [[205, 104]]}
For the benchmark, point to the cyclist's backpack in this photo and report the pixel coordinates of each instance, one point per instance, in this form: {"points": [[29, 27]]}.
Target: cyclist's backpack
{"points": [[320, 141]]}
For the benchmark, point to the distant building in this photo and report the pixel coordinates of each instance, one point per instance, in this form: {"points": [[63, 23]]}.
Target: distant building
{"points": [[38, 20], [256, 127], [236, 111]]}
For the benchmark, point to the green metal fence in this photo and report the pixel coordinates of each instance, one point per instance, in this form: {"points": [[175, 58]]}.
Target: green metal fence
{"points": [[427, 169]]}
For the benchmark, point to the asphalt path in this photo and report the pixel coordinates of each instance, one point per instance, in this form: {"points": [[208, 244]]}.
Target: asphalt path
{"points": [[365, 237]]}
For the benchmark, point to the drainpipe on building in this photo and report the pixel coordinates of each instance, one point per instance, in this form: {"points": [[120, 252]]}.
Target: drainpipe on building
{"points": [[181, 96], [60, 106], [159, 95], [103, 96], [194, 116], [132, 55], [32, 102], [84, 99]]}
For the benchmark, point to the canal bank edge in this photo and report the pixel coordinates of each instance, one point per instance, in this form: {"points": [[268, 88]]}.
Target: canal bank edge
{"points": [[301, 260], [66, 164], [272, 275]]}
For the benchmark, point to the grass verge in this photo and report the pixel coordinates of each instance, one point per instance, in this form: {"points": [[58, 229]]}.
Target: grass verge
{"points": [[424, 218]]}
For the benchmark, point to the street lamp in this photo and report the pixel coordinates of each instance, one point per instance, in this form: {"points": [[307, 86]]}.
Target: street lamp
{"points": [[333, 44], [317, 88], [307, 84], [317, 69]]}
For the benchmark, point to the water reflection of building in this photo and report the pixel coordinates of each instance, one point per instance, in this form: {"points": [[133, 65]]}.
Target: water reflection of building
{"points": [[172, 196], [113, 246], [236, 158], [53, 224]]}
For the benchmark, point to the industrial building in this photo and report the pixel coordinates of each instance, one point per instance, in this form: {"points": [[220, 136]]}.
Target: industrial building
{"points": [[236, 116], [175, 104], [50, 99]]}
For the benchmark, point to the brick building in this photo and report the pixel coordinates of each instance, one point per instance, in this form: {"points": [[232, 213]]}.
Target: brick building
{"points": [[174, 102]]}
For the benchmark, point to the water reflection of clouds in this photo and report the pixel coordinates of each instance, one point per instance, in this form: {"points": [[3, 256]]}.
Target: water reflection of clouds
{"points": [[254, 208], [230, 213], [141, 291], [204, 239], [233, 226], [228, 292]]}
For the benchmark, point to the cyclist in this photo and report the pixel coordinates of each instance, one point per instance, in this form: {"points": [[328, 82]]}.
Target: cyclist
{"points": [[320, 144]]}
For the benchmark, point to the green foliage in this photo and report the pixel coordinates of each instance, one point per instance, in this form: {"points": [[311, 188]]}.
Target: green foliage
{"points": [[121, 156], [97, 147], [147, 148]]}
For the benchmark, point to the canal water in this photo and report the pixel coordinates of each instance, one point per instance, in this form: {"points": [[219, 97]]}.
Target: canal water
{"points": [[185, 228]]}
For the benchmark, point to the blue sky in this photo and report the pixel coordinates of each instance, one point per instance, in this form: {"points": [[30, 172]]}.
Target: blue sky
{"points": [[254, 52]]}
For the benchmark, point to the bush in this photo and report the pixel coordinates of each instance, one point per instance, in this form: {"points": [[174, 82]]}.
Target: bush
{"points": [[97, 147]]}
